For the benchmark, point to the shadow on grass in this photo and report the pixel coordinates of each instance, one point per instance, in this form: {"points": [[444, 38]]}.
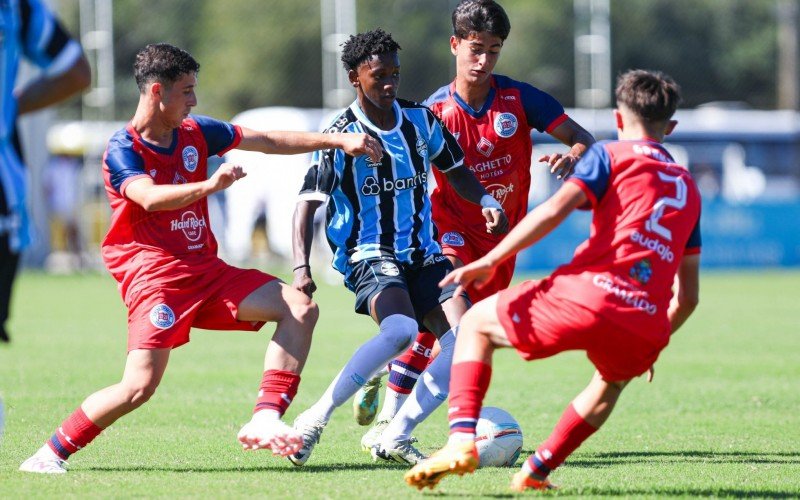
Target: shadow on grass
{"points": [[688, 456], [282, 467]]}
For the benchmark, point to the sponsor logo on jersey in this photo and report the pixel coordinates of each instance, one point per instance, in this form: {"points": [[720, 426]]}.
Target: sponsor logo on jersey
{"points": [[374, 187], [433, 259], [453, 239], [190, 224], [389, 269], [653, 244], [161, 316], [373, 164], [630, 297], [491, 168], [500, 191], [505, 124], [509, 97], [484, 146], [190, 157], [422, 147], [642, 271]]}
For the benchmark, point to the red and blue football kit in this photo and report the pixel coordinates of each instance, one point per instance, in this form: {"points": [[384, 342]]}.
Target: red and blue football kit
{"points": [[497, 146], [166, 261], [612, 299]]}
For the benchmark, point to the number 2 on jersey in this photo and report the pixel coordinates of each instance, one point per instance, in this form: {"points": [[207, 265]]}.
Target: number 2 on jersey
{"points": [[678, 202]]}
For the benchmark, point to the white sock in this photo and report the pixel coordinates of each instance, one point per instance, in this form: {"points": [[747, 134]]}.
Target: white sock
{"points": [[267, 415], [392, 402], [460, 437], [430, 391], [396, 334]]}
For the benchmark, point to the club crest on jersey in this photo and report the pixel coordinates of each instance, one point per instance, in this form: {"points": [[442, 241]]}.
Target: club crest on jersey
{"points": [[642, 271], [453, 239], [485, 146], [190, 157], [505, 124], [161, 316], [389, 269], [422, 147]]}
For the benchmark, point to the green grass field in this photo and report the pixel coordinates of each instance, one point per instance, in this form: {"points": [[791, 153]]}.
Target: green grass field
{"points": [[722, 417]]}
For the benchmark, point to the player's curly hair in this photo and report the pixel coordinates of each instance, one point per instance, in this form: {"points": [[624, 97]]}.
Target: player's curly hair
{"points": [[358, 48], [651, 95], [163, 63], [476, 16]]}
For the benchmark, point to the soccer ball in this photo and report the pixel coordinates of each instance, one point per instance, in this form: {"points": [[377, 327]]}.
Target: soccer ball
{"points": [[498, 438]]}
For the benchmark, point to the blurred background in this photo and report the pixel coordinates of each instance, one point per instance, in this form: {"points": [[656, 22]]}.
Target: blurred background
{"points": [[273, 64]]}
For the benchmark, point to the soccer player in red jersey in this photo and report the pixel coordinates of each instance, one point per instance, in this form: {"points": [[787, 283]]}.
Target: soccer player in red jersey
{"points": [[614, 300], [491, 116], [161, 251]]}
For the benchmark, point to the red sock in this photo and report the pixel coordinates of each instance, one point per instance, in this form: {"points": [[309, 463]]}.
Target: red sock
{"points": [[278, 388], [469, 382], [570, 432], [406, 368], [74, 433]]}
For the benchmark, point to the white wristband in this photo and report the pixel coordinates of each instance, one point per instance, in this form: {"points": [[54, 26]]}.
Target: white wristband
{"points": [[488, 201]]}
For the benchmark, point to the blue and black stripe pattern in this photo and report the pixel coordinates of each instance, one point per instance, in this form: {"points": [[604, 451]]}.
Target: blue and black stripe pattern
{"points": [[382, 209]]}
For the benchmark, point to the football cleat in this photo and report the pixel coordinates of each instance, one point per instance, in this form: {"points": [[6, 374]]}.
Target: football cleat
{"points": [[401, 452], [373, 436], [460, 458], [367, 400], [311, 429], [267, 432], [44, 461], [522, 481]]}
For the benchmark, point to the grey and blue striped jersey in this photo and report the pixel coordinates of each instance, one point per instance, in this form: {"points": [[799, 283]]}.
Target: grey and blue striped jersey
{"points": [[27, 29], [382, 209]]}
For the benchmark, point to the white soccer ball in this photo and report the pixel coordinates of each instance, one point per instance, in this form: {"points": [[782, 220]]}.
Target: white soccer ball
{"points": [[498, 438]]}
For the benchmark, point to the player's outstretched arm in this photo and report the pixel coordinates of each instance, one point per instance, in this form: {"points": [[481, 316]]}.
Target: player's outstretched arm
{"points": [[579, 140], [302, 238], [687, 291], [469, 187], [533, 227], [52, 89], [155, 197], [279, 142]]}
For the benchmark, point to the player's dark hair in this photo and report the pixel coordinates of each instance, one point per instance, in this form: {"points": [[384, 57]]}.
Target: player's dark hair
{"points": [[476, 16], [358, 48], [651, 95], [163, 63]]}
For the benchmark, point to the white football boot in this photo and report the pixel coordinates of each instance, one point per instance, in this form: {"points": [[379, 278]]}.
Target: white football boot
{"points": [[266, 430], [44, 461], [310, 427], [373, 436], [401, 452]]}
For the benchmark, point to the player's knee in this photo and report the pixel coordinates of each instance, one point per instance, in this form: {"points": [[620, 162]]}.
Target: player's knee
{"points": [[138, 394], [304, 310], [400, 330]]}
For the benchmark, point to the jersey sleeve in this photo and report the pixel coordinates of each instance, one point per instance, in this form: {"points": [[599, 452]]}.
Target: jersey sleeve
{"points": [[694, 243], [44, 41], [593, 173], [444, 151], [124, 164], [220, 136], [320, 180], [543, 111]]}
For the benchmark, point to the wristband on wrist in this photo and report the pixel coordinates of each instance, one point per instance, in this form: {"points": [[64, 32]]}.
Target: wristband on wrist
{"points": [[301, 266], [488, 201]]}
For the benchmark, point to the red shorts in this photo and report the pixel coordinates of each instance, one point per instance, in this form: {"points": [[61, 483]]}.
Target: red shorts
{"points": [[161, 313], [468, 250], [539, 326]]}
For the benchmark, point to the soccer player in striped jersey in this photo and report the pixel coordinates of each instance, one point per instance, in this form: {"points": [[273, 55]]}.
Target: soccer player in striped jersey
{"points": [[29, 30], [492, 117], [381, 230], [614, 300], [162, 253]]}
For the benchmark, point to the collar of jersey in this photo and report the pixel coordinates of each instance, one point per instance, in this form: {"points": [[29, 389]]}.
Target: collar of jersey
{"points": [[158, 149], [398, 114], [466, 107]]}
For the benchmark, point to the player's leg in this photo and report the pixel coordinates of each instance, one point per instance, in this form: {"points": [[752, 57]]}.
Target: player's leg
{"points": [[295, 315], [480, 333], [585, 415], [143, 372], [9, 261]]}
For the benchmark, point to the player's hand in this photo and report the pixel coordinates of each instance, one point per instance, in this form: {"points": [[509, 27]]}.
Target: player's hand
{"points": [[496, 221], [225, 176], [361, 144], [477, 272], [651, 372], [561, 165], [304, 282]]}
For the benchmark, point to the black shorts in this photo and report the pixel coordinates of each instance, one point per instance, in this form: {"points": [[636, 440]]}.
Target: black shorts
{"points": [[367, 277]]}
